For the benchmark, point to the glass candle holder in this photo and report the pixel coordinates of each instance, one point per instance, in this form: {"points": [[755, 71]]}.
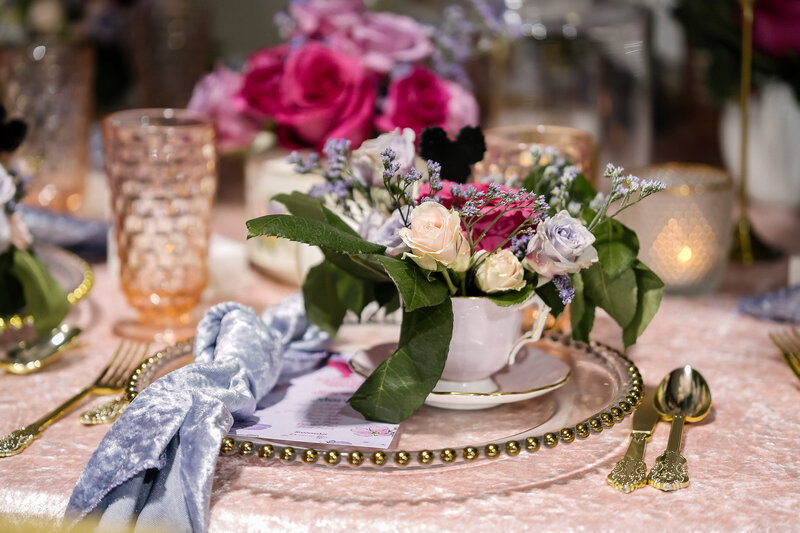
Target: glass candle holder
{"points": [[161, 166], [684, 231], [508, 149], [50, 86]]}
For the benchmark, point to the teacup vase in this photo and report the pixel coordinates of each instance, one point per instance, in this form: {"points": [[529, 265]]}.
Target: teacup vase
{"points": [[486, 338]]}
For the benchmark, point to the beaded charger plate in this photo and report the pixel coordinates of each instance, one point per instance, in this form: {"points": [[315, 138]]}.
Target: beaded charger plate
{"points": [[72, 273], [604, 388]]}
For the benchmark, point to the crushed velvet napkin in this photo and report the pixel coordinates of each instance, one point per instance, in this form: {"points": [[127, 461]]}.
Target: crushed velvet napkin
{"points": [[155, 466], [782, 305]]}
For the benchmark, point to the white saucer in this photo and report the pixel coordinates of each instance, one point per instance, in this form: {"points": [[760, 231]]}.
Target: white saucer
{"points": [[535, 373]]}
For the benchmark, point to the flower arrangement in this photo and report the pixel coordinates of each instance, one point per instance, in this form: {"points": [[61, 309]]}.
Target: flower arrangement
{"points": [[346, 72], [25, 282], [715, 27], [395, 229]]}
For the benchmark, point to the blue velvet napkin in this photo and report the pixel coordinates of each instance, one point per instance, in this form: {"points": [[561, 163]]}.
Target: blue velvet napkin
{"points": [[85, 237], [782, 305], [155, 466]]}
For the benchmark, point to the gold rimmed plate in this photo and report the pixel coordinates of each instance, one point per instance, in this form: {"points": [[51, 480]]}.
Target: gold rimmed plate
{"points": [[534, 373], [72, 273]]}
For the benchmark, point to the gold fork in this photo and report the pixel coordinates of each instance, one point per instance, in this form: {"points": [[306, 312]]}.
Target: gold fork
{"points": [[788, 342], [110, 381]]}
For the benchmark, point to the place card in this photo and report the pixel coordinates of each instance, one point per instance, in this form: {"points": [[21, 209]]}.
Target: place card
{"points": [[313, 409]]}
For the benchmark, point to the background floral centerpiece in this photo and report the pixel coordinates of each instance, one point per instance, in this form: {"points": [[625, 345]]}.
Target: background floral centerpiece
{"points": [[346, 73], [25, 282], [397, 234]]}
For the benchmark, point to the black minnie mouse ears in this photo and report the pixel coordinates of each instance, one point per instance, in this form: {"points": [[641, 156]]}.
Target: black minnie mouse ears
{"points": [[454, 156], [12, 133]]}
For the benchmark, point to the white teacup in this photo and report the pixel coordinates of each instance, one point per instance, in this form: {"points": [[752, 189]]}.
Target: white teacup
{"points": [[486, 337]]}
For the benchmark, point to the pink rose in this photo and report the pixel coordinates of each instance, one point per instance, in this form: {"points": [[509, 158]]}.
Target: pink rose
{"points": [[462, 109], [260, 92], [313, 93], [500, 230], [415, 101], [213, 95], [321, 18], [421, 99], [776, 27], [385, 39], [324, 94]]}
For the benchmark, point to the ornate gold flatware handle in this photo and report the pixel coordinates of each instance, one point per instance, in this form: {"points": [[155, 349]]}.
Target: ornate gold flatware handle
{"points": [[20, 439], [105, 413], [670, 471], [630, 473]]}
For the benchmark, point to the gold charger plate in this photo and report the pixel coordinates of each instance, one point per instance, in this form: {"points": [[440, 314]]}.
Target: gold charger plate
{"points": [[603, 389], [73, 273]]}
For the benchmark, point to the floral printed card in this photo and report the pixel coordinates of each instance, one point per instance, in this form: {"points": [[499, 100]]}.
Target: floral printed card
{"points": [[313, 409]]}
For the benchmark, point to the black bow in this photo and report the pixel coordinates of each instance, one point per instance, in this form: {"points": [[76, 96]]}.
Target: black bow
{"points": [[12, 133], [454, 156]]}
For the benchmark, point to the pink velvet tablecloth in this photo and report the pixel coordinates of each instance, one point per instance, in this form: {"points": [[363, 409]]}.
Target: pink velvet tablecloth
{"points": [[743, 459]]}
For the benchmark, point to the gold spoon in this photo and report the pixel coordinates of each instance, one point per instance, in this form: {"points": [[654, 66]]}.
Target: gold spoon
{"points": [[683, 395], [30, 356]]}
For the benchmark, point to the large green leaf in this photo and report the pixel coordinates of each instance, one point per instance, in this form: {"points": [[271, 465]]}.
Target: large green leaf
{"points": [[399, 386], [549, 295], [359, 266], [303, 206], [323, 305], [650, 288], [45, 299], [581, 311], [11, 297], [414, 287], [310, 231], [617, 247], [509, 298], [617, 295]]}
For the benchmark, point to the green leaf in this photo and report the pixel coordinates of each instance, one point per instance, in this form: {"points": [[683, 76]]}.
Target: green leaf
{"points": [[549, 294], [582, 190], [310, 231], [12, 298], [414, 287], [302, 205], [45, 299], [616, 295], [509, 298], [359, 266], [617, 247], [650, 288], [581, 311], [354, 293], [399, 386], [323, 306]]}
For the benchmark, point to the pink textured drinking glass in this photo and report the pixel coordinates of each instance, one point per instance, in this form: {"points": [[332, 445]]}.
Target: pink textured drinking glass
{"points": [[161, 166]]}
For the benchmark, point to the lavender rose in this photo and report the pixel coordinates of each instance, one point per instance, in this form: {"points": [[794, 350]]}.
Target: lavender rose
{"points": [[366, 162], [378, 228], [385, 39], [561, 245], [213, 95]]}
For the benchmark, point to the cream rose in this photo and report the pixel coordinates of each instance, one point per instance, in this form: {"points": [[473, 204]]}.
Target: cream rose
{"points": [[366, 162], [561, 245], [499, 272], [435, 236]]}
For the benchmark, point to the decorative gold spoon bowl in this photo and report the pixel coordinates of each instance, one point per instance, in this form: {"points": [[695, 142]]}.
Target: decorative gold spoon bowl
{"points": [[30, 356], [683, 396]]}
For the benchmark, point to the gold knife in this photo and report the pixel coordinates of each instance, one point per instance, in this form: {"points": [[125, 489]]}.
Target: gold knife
{"points": [[631, 472]]}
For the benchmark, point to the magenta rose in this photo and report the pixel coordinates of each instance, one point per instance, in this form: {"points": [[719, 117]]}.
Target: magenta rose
{"points": [[324, 94], [776, 27], [213, 95], [421, 99], [321, 18], [384, 39], [501, 229], [260, 92]]}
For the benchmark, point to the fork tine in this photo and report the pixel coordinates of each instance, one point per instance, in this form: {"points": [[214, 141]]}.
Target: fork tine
{"points": [[133, 355], [117, 352]]}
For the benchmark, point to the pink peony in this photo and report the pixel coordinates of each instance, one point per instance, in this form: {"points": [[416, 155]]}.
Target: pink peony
{"points": [[776, 27], [384, 39], [321, 18], [421, 99], [213, 96], [313, 93], [500, 230]]}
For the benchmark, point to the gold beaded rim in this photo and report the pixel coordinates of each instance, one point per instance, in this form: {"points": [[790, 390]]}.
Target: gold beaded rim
{"points": [[517, 446], [18, 321]]}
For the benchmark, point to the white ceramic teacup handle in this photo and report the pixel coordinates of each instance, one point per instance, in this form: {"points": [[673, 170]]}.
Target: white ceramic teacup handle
{"points": [[543, 310]]}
